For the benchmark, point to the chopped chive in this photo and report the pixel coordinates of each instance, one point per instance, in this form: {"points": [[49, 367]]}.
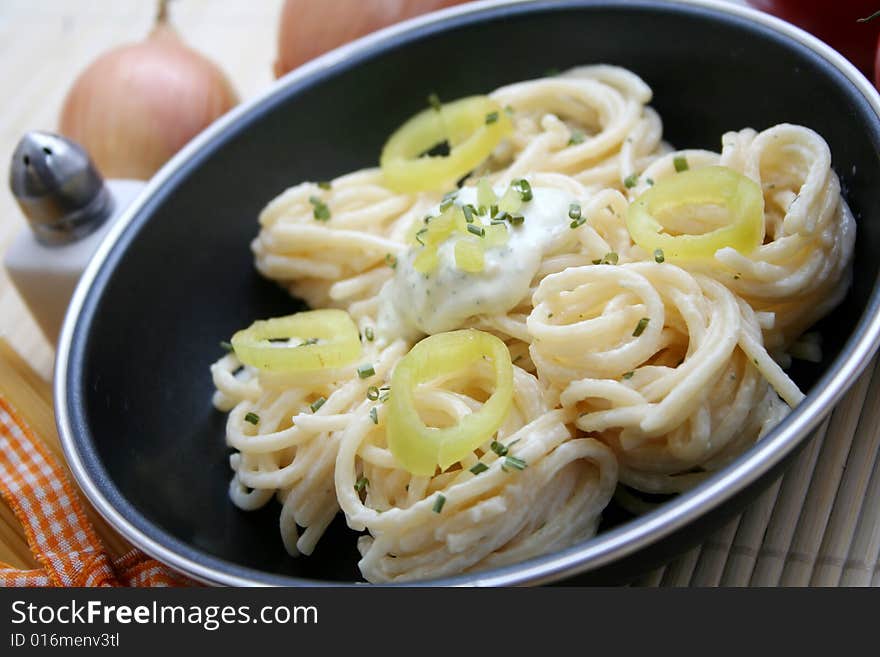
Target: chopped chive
{"points": [[628, 375], [374, 415], [659, 256], [324, 184], [308, 341], [438, 504], [253, 418], [321, 212], [450, 195], [493, 210], [597, 261], [514, 462], [631, 180], [390, 260], [368, 334], [366, 371], [650, 181], [498, 448], [611, 258], [469, 211], [516, 219], [577, 137], [419, 236], [524, 189], [496, 222], [385, 396], [479, 467], [226, 346], [508, 110], [491, 117], [479, 231], [574, 213], [445, 205], [680, 163], [361, 484], [641, 326], [372, 393], [434, 101], [318, 403]]}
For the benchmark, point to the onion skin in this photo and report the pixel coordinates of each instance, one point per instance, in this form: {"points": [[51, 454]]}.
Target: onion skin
{"points": [[138, 104], [310, 28]]}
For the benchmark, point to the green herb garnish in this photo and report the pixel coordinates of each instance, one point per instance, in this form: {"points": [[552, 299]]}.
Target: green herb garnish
{"points": [[439, 502], [498, 448], [491, 118], [318, 403], [366, 371], [514, 462], [524, 189], [680, 163], [479, 468], [321, 212], [253, 418], [659, 256], [641, 326], [631, 180]]}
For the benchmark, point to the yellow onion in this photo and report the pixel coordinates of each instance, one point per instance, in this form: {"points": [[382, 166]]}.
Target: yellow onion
{"points": [[138, 104], [311, 27]]}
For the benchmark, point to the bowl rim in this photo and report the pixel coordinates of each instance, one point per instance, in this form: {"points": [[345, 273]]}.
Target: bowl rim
{"points": [[602, 549]]}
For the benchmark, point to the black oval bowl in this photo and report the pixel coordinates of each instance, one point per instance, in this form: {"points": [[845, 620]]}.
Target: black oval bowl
{"points": [[176, 276]]}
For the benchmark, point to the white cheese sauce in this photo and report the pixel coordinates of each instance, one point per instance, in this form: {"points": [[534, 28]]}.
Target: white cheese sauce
{"points": [[413, 304]]}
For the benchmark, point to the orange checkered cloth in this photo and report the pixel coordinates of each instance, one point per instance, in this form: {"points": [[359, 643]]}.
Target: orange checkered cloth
{"points": [[60, 536]]}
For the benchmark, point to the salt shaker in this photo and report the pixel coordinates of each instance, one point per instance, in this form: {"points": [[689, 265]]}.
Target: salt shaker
{"points": [[69, 208]]}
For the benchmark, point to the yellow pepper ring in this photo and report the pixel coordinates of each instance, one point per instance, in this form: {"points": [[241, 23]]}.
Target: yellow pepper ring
{"points": [[328, 338], [710, 185], [473, 127], [419, 448]]}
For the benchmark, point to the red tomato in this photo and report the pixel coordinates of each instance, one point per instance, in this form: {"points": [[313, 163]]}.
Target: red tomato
{"points": [[835, 23]]}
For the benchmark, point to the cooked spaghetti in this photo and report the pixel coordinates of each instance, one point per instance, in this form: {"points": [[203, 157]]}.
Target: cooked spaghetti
{"points": [[601, 309]]}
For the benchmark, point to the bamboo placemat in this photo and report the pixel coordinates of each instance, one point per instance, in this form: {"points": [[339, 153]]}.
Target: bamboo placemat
{"points": [[818, 525]]}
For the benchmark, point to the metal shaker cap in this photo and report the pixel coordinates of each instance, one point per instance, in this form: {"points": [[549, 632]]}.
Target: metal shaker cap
{"points": [[58, 188]]}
